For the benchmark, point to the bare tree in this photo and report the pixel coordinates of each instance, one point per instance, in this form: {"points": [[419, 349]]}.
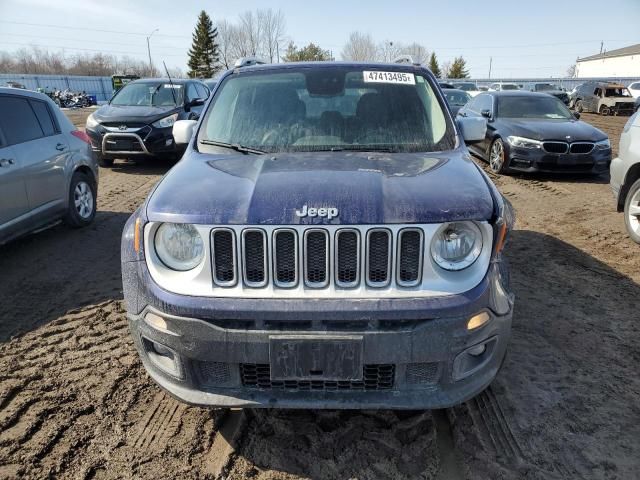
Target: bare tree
{"points": [[360, 47], [445, 68], [571, 71], [388, 51], [250, 36], [418, 52], [273, 31], [226, 36]]}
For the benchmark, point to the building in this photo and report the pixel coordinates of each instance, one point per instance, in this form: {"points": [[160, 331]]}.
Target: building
{"points": [[622, 62]]}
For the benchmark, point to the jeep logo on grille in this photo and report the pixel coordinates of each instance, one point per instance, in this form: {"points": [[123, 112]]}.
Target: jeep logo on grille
{"points": [[330, 212]]}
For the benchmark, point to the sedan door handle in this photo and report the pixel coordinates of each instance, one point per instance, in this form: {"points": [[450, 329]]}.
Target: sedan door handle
{"points": [[60, 147], [4, 162]]}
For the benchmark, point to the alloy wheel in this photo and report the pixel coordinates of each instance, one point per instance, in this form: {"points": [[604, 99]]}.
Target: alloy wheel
{"points": [[83, 199], [634, 212], [496, 159]]}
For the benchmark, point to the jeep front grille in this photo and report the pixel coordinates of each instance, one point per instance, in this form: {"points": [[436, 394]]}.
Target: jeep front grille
{"points": [[319, 257]]}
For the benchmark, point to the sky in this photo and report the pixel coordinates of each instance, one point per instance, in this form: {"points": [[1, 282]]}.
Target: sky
{"points": [[539, 38]]}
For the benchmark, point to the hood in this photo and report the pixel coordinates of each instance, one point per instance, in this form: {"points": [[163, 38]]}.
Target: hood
{"points": [[541, 129], [366, 188], [133, 113]]}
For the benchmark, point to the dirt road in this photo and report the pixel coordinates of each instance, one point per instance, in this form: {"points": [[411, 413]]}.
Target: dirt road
{"points": [[76, 403]]}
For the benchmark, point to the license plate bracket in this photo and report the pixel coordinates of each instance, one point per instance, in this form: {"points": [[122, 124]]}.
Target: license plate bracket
{"points": [[307, 358]]}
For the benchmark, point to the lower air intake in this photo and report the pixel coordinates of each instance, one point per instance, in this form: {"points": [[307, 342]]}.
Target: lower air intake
{"points": [[375, 377]]}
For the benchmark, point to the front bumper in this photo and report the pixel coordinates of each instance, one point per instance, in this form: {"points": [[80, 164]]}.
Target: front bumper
{"points": [[143, 141], [538, 160], [419, 346]]}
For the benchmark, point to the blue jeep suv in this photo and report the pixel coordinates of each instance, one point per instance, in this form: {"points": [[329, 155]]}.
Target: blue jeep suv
{"points": [[325, 242]]}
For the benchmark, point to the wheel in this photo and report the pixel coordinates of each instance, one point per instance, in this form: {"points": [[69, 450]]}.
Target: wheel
{"points": [[578, 106], [82, 201], [604, 110], [105, 162], [632, 211], [497, 161]]}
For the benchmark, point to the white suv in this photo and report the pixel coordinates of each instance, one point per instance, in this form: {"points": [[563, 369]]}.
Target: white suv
{"points": [[625, 176]]}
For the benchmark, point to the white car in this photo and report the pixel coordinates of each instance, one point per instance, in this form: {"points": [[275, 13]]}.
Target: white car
{"points": [[501, 86], [634, 88], [625, 176]]}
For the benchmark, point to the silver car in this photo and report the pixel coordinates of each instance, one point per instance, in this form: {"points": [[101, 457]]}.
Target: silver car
{"points": [[625, 176], [47, 169]]}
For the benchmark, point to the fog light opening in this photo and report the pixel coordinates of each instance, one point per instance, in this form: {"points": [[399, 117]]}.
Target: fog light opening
{"points": [[156, 321], [477, 350], [162, 357], [478, 320]]}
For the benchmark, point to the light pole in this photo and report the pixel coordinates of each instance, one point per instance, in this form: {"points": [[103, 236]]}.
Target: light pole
{"points": [[149, 51]]}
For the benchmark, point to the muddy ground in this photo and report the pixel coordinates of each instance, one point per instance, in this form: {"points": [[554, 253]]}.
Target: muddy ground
{"points": [[75, 401]]}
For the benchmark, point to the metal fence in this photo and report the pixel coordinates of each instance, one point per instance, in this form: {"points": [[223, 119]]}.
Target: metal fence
{"points": [[566, 83], [100, 87]]}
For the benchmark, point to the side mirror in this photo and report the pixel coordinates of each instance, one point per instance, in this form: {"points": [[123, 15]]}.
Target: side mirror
{"points": [[473, 129], [183, 131], [486, 113], [577, 115], [196, 102]]}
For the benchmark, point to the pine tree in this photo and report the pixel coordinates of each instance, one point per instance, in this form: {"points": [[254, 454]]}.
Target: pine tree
{"points": [[459, 68], [433, 65], [204, 55]]}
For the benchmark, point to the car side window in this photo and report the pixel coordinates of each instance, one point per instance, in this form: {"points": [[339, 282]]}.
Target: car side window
{"points": [[18, 120], [484, 103], [471, 106], [44, 117], [635, 86], [203, 91], [192, 93], [597, 92]]}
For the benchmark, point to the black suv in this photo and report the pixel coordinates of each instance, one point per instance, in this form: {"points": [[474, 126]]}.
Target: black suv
{"points": [[549, 88], [138, 120]]}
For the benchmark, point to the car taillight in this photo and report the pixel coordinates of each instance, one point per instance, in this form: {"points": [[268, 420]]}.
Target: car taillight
{"points": [[82, 136]]}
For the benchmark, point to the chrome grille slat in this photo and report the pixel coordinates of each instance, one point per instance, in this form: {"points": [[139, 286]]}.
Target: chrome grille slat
{"points": [[285, 258], [410, 257], [347, 255], [254, 257], [223, 252], [378, 257], [316, 258]]}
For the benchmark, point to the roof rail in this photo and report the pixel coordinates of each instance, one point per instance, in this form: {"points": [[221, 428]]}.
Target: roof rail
{"points": [[248, 61], [405, 59]]}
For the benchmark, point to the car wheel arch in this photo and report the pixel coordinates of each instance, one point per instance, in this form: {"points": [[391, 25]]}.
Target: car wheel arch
{"points": [[630, 178]]}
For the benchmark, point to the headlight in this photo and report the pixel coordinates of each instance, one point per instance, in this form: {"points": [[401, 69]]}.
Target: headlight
{"points": [[179, 246], [91, 122], [603, 144], [166, 121], [457, 245], [523, 142]]}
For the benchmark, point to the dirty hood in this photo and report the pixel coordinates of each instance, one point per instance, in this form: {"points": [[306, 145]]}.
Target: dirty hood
{"points": [[365, 188]]}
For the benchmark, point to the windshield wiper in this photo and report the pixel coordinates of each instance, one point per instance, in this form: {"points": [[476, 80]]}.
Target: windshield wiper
{"points": [[233, 146]]}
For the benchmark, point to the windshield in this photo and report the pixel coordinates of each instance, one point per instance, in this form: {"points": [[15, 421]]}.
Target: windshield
{"points": [[327, 108], [543, 106], [541, 87], [149, 94], [465, 86], [457, 99], [617, 92], [509, 86]]}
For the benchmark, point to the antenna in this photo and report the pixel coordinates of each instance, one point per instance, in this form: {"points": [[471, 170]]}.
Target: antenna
{"points": [[173, 89]]}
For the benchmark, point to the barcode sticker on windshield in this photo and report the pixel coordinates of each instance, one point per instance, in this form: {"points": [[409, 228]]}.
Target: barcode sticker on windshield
{"points": [[389, 77], [168, 85]]}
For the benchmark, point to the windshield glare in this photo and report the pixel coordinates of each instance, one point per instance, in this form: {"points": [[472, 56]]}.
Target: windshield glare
{"points": [[329, 108], [149, 94], [541, 87], [457, 99], [543, 106]]}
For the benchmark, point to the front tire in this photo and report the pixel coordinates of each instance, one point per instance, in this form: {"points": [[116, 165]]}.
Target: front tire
{"points": [[105, 162], [82, 201], [632, 211], [498, 158], [579, 107], [605, 111]]}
